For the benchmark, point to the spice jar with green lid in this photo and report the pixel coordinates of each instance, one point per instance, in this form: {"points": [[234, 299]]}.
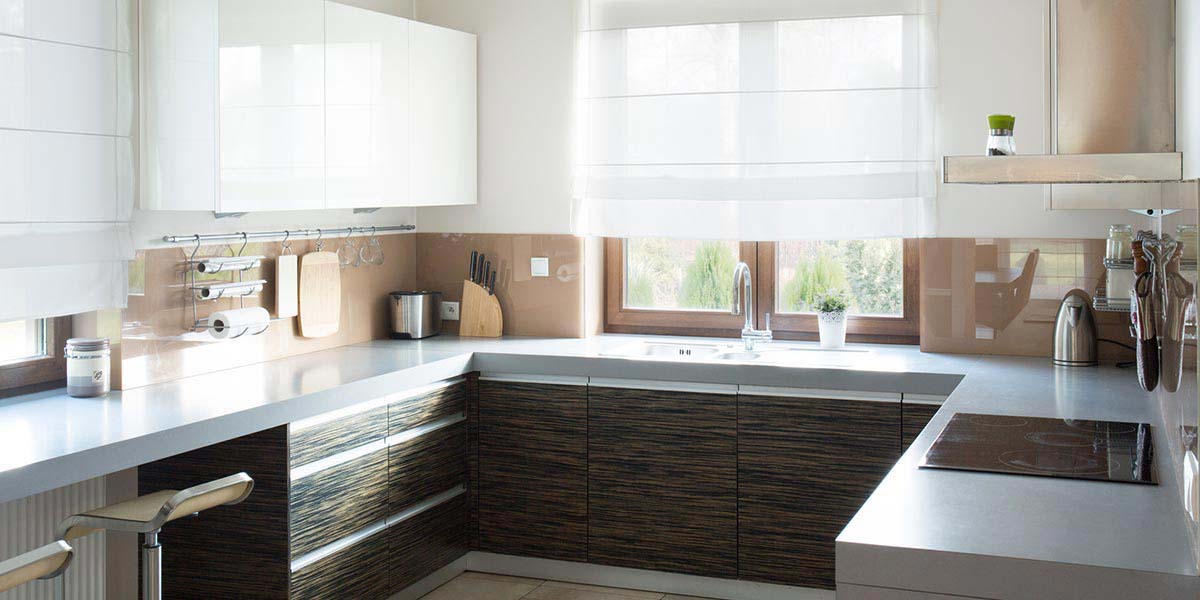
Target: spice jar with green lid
{"points": [[1000, 135]]}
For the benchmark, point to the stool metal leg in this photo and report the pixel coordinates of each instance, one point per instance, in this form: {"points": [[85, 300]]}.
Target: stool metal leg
{"points": [[151, 567], [60, 587]]}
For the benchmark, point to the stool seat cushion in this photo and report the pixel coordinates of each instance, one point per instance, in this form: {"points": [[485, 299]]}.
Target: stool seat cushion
{"points": [[45, 562], [148, 513]]}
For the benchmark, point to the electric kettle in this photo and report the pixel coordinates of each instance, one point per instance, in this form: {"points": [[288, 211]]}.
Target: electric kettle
{"points": [[1075, 332]]}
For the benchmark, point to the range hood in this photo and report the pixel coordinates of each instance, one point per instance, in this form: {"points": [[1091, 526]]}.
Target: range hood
{"points": [[1113, 101]]}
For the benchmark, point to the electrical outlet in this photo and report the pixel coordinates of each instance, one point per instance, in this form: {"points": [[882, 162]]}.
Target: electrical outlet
{"points": [[539, 266], [449, 311]]}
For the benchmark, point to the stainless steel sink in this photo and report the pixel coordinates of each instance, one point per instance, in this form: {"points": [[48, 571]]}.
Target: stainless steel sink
{"points": [[733, 352]]}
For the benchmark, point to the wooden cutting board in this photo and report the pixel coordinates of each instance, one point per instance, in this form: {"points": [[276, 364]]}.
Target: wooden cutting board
{"points": [[320, 294], [287, 291]]}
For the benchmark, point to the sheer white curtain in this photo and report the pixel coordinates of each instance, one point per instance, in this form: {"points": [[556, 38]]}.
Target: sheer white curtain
{"points": [[756, 119], [51, 270]]}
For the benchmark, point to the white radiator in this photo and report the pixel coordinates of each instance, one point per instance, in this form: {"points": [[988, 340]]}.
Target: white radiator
{"points": [[31, 522]]}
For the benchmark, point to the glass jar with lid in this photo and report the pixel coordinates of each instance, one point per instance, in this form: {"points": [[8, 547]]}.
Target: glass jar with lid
{"points": [[1000, 135], [1120, 242]]}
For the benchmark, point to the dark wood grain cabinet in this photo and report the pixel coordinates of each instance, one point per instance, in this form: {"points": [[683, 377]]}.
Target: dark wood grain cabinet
{"points": [[805, 466], [916, 416], [662, 480], [532, 465], [359, 503]]}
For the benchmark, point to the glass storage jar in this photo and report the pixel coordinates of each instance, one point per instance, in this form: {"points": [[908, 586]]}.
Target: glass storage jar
{"points": [[1120, 242], [87, 367], [1000, 135]]}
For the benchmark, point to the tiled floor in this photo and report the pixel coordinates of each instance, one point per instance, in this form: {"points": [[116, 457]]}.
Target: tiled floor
{"points": [[484, 586]]}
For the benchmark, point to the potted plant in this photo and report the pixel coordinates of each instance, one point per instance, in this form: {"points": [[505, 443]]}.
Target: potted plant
{"points": [[831, 319]]}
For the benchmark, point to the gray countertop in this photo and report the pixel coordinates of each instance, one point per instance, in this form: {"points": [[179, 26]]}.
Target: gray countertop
{"points": [[48, 439]]}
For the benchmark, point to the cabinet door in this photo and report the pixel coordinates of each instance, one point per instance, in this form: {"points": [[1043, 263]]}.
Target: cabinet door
{"points": [[916, 416], [443, 117], [272, 104], [662, 480], [805, 466], [366, 108], [533, 469]]}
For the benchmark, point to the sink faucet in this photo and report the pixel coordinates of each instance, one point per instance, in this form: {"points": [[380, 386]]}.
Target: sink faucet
{"points": [[743, 301]]}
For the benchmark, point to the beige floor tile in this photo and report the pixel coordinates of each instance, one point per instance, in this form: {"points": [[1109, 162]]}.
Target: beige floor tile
{"points": [[477, 586], [498, 577], [677, 597], [559, 590]]}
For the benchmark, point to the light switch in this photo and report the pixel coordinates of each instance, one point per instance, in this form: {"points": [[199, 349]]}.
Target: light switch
{"points": [[539, 266]]}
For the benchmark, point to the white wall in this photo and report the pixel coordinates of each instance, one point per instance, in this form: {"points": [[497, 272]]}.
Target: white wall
{"points": [[1187, 85], [526, 108]]}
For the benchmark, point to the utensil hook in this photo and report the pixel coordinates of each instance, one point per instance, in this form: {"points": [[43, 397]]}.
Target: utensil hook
{"points": [[286, 246], [245, 241], [320, 244]]}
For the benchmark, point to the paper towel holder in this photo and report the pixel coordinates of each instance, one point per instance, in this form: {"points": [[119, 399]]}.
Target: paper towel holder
{"points": [[212, 291]]}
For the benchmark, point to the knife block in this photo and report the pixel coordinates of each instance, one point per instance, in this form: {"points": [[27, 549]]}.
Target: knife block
{"points": [[480, 313]]}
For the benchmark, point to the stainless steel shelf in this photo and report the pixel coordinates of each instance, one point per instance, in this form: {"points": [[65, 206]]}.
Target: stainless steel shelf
{"points": [[1064, 168], [1102, 303]]}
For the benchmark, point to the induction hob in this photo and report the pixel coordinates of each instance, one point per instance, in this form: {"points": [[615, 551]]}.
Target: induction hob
{"points": [[1096, 450]]}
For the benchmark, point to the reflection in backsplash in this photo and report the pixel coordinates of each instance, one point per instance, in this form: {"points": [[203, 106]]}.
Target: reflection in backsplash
{"points": [[550, 306], [1000, 296], [158, 345]]}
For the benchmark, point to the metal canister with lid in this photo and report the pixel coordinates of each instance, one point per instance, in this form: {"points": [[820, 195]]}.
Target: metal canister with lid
{"points": [[88, 367]]}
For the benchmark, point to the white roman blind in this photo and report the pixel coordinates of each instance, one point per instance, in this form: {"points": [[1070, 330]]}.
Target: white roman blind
{"points": [[756, 119], [66, 156]]}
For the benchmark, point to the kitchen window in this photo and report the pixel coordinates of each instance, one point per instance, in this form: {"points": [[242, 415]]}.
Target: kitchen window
{"points": [[31, 351], [685, 287]]}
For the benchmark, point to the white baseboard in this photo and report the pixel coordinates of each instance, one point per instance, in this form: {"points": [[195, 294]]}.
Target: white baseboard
{"points": [[637, 579], [432, 581]]}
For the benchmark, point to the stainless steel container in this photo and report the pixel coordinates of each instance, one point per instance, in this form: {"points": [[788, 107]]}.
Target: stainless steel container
{"points": [[415, 315], [1075, 332]]}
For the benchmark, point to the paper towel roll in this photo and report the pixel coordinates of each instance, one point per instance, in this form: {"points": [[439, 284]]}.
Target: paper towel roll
{"points": [[225, 324]]}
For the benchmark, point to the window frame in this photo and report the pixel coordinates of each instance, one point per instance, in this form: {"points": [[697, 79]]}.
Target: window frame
{"points": [[760, 257], [50, 367]]}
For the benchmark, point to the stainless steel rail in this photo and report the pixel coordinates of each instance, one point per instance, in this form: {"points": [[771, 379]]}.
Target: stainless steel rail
{"points": [[283, 233]]}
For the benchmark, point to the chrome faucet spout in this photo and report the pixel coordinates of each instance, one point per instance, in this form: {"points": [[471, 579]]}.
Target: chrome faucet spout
{"points": [[743, 303]]}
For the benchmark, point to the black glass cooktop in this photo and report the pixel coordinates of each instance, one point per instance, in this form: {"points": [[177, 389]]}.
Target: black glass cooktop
{"points": [[1098, 450]]}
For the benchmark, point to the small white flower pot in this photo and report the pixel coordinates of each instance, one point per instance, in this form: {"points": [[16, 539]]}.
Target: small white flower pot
{"points": [[833, 329]]}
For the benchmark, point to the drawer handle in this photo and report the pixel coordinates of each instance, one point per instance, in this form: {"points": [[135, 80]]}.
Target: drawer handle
{"points": [[416, 432]]}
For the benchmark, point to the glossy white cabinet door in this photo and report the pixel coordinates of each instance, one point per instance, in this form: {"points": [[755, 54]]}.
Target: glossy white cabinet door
{"points": [[178, 57], [272, 105], [443, 116], [366, 108], [1187, 85]]}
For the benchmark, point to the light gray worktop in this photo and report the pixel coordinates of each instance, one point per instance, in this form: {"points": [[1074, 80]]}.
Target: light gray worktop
{"points": [[48, 440]]}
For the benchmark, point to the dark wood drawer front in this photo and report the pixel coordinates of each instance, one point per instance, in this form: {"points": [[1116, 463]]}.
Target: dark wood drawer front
{"points": [[356, 572], [328, 505], [916, 417], [425, 408], [662, 481], [427, 465], [326, 439], [805, 466], [427, 542], [532, 488]]}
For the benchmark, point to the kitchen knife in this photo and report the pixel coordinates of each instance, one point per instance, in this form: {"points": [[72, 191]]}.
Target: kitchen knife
{"points": [[492, 284], [480, 273], [474, 259]]}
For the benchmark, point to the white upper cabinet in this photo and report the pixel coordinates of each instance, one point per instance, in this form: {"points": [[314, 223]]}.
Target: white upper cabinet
{"points": [[272, 104], [443, 118], [1187, 85], [366, 108], [263, 105]]}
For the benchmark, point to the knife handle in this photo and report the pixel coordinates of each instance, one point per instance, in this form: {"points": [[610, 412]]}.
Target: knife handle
{"points": [[492, 284], [481, 272], [474, 259]]}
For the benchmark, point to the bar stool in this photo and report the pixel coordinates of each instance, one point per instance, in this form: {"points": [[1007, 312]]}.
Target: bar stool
{"points": [[46, 562], [147, 514]]}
